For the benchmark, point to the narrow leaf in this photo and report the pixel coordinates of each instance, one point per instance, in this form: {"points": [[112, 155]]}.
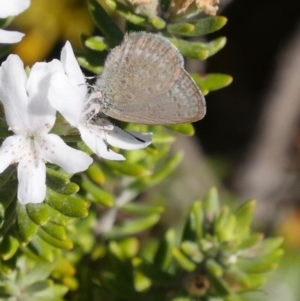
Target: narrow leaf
{"points": [[200, 27], [60, 244], [38, 213], [133, 226], [25, 228], [164, 253], [105, 23], [67, 205]]}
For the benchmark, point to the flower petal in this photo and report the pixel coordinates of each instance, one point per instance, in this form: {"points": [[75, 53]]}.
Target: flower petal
{"points": [[128, 140], [68, 89], [13, 93], [72, 69], [93, 139], [41, 113], [32, 181], [71, 160], [64, 97], [13, 7], [10, 151], [10, 37]]}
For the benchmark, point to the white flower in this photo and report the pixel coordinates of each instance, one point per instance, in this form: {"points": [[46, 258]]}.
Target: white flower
{"points": [[10, 8], [68, 95], [30, 116]]}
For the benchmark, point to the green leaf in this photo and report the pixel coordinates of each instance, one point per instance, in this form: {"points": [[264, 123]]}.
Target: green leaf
{"points": [[156, 275], [8, 193], [91, 62], [105, 23], [199, 50], [224, 225], [37, 286], [141, 282], [244, 215], [199, 27], [184, 128], [25, 228], [181, 28], [211, 82], [164, 171], [193, 229], [157, 22], [128, 169], [251, 241], [183, 261], [214, 268], [60, 244], [8, 247], [97, 194], [132, 227], [55, 292], [192, 50], [143, 209], [126, 12], [56, 217], [58, 232], [260, 264], [242, 282], [41, 249], [4, 22], [163, 138], [115, 249], [67, 205], [233, 297], [163, 256], [60, 182], [219, 286], [191, 249], [129, 246], [255, 280], [211, 205], [120, 289], [214, 46], [38, 213], [228, 233], [181, 299], [40, 272], [6, 175], [7, 267], [96, 174], [268, 246], [96, 43], [8, 218], [63, 268]]}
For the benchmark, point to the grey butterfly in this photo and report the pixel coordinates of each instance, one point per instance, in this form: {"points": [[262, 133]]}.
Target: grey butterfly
{"points": [[144, 81]]}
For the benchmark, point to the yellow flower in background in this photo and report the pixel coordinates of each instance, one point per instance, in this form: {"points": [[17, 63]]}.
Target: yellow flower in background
{"points": [[289, 227], [48, 22]]}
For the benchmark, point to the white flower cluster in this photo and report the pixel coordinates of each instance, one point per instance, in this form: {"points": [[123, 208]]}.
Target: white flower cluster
{"points": [[9, 8], [30, 103]]}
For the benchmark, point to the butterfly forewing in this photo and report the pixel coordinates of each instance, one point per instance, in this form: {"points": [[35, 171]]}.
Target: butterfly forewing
{"points": [[142, 61]]}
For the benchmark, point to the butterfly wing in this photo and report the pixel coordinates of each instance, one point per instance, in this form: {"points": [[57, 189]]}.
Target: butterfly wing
{"points": [[143, 65], [143, 81], [183, 102]]}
